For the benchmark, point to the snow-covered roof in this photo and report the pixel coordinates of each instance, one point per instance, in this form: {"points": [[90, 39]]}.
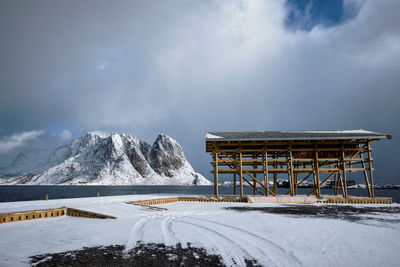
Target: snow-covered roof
{"points": [[295, 135]]}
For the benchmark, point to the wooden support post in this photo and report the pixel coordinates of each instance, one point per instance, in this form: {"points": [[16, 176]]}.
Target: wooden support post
{"points": [[316, 165], [371, 179], [365, 175], [248, 182], [240, 174], [275, 178], [235, 169], [341, 183], [46, 197], [344, 185], [234, 175], [216, 173], [322, 183], [335, 184], [290, 167], [305, 178], [314, 176], [234, 184], [255, 166], [265, 166]]}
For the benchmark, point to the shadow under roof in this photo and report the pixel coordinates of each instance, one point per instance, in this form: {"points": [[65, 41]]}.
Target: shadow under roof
{"points": [[295, 135]]}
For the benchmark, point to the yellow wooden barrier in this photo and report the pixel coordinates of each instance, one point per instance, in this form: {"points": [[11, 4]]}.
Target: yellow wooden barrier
{"points": [[17, 216]]}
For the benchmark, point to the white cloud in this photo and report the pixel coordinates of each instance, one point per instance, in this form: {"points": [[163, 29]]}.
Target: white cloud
{"points": [[189, 66], [66, 134], [15, 140]]}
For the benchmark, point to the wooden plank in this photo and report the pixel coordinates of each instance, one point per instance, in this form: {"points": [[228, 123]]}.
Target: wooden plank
{"points": [[316, 165], [271, 149], [265, 166], [285, 170], [323, 182], [247, 172], [275, 176], [255, 176], [288, 192], [366, 177], [335, 184], [290, 173], [371, 178], [234, 184], [344, 173], [247, 181], [240, 174], [216, 174]]}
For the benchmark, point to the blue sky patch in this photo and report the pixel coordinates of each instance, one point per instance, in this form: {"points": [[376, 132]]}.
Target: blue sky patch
{"points": [[306, 14]]}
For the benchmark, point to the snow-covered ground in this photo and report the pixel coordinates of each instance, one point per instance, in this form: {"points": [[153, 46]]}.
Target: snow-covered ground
{"points": [[271, 239]]}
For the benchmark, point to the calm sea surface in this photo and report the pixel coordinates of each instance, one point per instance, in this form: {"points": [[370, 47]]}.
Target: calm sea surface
{"points": [[24, 192]]}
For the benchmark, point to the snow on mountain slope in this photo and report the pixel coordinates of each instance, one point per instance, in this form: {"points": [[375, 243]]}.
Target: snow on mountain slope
{"points": [[117, 159], [26, 161]]}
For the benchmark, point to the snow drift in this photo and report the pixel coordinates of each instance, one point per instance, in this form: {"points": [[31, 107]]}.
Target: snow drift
{"points": [[116, 159]]}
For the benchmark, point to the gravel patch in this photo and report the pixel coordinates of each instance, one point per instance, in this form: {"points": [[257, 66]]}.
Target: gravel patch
{"points": [[144, 254], [388, 214]]}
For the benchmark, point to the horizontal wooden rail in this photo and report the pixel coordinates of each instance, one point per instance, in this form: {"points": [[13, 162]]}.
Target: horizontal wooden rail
{"points": [[356, 200], [285, 170], [87, 214], [268, 199], [284, 160], [31, 215], [17, 216], [154, 201], [148, 202], [283, 150]]}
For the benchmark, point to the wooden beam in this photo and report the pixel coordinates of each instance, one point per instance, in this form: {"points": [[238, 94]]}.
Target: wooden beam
{"points": [[335, 184], [247, 172], [341, 183], [216, 174], [323, 182], [316, 166], [234, 170], [265, 165], [240, 174], [247, 181], [290, 174], [344, 188], [285, 170], [260, 149], [257, 181], [288, 192], [371, 178], [234, 184], [275, 178], [366, 176], [255, 175]]}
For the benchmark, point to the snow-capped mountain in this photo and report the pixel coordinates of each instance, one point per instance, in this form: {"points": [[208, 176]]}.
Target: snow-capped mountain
{"points": [[116, 159]]}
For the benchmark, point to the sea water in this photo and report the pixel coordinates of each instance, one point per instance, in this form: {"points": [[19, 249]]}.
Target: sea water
{"points": [[37, 192]]}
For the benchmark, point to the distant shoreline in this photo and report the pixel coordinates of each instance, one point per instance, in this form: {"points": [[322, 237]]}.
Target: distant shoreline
{"points": [[380, 187]]}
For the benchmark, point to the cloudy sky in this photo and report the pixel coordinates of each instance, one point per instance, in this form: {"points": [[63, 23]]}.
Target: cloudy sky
{"points": [[183, 67]]}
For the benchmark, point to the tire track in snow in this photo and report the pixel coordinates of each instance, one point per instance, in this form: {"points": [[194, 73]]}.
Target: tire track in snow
{"points": [[232, 255], [169, 236], [232, 251], [137, 231], [275, 253]]}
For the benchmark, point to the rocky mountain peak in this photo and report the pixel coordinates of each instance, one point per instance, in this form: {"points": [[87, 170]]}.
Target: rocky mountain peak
{"points": [[166, 156], [116, 159]]}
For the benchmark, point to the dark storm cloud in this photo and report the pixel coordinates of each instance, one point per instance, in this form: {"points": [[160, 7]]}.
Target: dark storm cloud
{"points": [[183, 67]]}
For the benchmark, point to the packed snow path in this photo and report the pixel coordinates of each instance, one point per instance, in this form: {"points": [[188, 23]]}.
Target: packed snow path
{"points": [[271, 239]]}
